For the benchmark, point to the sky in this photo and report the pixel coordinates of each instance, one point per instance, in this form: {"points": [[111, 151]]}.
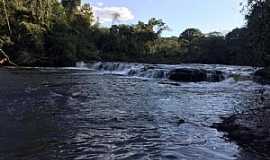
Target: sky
{"points": [[207, 15]]}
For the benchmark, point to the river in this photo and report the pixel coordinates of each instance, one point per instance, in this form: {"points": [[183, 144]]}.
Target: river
{"points": [[121, 111]]}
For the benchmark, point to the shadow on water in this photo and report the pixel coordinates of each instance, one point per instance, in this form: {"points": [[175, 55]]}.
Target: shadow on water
{"points": [[33, 121], [75, 114], [51, 117]]}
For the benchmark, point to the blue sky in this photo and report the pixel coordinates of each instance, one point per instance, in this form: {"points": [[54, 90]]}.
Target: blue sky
{"points": [[207, 15]]}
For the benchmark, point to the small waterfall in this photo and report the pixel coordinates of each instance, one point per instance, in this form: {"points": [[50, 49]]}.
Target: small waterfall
{"points": [[130, 69], [154, 73], [81, 65], [215, 76], [182, 72]]}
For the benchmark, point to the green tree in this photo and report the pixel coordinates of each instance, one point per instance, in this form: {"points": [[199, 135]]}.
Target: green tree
{"points": [[190, 34], [213, 48], [258, 23], [83, 19], [239, 47], [190, 39], [71, 6]]}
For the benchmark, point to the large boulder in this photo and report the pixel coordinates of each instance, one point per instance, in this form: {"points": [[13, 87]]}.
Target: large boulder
{"points": [[195, 75]]}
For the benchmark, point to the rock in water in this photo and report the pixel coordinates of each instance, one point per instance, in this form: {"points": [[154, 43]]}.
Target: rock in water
{"points": [[195, 75], [181, 121], [187, 75], [215, 76]]}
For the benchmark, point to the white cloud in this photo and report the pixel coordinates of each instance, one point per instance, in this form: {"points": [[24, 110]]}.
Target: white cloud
{"points": [[100, 4], [109, 14]]}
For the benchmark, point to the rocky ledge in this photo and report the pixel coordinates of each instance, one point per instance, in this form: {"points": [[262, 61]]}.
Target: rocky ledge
{"points": [[195, 75]]}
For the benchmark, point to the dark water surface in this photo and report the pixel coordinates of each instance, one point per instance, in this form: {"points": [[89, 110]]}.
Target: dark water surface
{"points": [[48, 114]]}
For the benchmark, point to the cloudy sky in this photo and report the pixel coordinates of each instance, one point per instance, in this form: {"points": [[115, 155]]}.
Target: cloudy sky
{"points": [[207, 15]]}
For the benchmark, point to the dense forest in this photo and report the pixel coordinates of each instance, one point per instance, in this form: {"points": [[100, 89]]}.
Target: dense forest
{"points": [[50, 33]]}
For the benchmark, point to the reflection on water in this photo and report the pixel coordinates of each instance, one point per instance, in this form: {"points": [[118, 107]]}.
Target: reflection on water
{"points": [[76, 114]]}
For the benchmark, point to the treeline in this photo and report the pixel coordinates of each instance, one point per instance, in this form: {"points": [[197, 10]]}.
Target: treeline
{"points": [[44, 33]]}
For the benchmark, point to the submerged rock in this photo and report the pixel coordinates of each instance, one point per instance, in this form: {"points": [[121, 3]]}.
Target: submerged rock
{"points": [[181, 121], [195, 75]]}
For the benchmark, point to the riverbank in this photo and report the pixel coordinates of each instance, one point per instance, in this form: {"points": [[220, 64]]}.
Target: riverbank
{"points": [[250, 129]]}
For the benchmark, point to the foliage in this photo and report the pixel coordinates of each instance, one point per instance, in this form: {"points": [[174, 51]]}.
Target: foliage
{"points": [[47, 33], [40, 27], [239, 48], [258, 23], [191, 34]]}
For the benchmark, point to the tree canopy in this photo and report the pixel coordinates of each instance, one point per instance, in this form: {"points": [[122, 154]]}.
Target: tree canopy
{"points": [[48, 33]]}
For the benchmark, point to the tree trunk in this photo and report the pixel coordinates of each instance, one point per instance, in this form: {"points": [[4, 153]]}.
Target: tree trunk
{"points": [[7, 19]]}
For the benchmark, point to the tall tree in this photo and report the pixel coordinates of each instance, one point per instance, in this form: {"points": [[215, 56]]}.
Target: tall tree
{"points": [[258, 23], [71, 6], [42, 10], [191, 34]]}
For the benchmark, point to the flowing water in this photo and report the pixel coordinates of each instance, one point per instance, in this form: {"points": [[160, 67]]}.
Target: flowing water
{"points": [[120, 111]]}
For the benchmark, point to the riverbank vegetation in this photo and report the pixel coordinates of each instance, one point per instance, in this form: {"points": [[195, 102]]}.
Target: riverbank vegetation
{"points": [[47, 33]]}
